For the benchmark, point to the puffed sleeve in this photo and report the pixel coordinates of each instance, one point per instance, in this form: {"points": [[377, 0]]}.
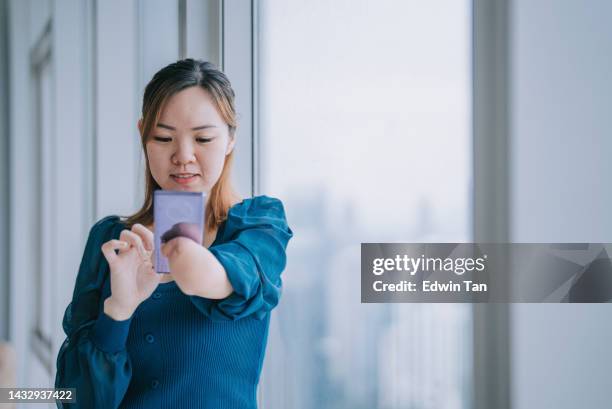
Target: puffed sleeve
{"points": [[252, 251], [93, 358]]}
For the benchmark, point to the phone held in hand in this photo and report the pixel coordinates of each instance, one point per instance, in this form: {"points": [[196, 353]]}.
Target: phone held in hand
{"points": [[176, 214]]}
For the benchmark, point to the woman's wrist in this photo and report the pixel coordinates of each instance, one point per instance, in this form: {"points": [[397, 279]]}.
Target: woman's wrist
{"points": [[116, 312], [111, 329]]}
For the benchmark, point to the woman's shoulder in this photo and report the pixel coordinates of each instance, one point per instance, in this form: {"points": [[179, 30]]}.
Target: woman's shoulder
{"points": [[107, 221], [258, 204], [102, 228], [256, 212]]}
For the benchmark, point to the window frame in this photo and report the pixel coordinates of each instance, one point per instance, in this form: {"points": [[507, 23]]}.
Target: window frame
{"points": [[42, 70]]}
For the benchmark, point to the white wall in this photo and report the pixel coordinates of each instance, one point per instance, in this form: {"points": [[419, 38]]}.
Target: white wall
{"points": [[561, 147]]}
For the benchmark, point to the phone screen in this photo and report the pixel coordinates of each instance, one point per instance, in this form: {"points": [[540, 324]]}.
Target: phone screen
{"points": [[176, 214]]}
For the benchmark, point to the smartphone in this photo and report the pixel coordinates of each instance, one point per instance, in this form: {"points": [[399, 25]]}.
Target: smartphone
{"points": [[176, 213]]}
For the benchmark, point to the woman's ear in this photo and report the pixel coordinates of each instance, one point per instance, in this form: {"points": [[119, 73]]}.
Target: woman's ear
{"points": [[230, 145], [140, 126]]}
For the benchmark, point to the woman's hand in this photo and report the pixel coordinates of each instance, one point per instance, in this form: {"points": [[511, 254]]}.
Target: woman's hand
{"points": [[133, 277], [195, 269], [183, 255]]}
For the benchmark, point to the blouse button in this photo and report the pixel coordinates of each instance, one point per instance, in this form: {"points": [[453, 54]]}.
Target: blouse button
{"points": [[149, 338], [156, 295], [154, 383]]}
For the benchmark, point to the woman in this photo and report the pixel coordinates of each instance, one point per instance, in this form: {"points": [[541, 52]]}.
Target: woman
{"points": [[195, 337]]}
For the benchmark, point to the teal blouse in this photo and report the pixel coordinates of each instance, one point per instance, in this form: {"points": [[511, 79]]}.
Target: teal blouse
{"points": [[178, 350]]}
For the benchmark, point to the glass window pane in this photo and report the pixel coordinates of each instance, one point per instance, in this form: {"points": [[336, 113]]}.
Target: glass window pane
{"points": [[365, 134]]}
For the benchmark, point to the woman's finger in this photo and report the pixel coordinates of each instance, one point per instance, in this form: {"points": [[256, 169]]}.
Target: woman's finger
{"points": [[108, 249], [135, 241], [146, 236]]}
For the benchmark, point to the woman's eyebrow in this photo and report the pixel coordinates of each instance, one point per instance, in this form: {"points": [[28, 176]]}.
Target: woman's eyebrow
{"points": [[197, 128]]}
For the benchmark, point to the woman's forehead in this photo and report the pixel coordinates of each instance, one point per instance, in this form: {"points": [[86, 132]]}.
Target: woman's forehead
{"points": [[189, 108]]}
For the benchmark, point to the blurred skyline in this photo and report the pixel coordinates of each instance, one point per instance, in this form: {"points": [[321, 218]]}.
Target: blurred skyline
{"points": [[360, 155]]}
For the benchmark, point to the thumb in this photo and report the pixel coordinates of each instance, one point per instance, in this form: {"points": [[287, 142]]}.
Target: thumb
{"points": [[167, 248]]}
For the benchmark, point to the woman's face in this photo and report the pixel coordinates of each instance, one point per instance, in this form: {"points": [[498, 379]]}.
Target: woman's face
{"points": [[190, 137]]}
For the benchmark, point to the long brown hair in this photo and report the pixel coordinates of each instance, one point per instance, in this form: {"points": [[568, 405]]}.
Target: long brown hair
{"points": [[165, 83]]}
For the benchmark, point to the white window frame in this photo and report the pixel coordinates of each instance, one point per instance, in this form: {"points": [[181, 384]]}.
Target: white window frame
{"points": [[44, 272], [239, 62], [238, 54]]}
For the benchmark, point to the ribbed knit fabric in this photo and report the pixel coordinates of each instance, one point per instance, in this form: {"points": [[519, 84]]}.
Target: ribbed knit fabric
{"points": [[176, 350]]}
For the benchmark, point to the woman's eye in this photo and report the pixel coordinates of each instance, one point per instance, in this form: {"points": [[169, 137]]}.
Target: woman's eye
{"points": [[200, 140]]}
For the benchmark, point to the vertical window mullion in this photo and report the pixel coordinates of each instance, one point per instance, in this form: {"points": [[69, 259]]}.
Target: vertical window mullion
{"points": [[237, 63]]}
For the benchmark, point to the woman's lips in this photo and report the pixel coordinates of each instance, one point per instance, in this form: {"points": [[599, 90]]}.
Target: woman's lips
{"points": [[185, 181]]}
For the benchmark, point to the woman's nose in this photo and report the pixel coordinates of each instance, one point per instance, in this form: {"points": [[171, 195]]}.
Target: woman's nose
{"points": [[184, 153]]}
